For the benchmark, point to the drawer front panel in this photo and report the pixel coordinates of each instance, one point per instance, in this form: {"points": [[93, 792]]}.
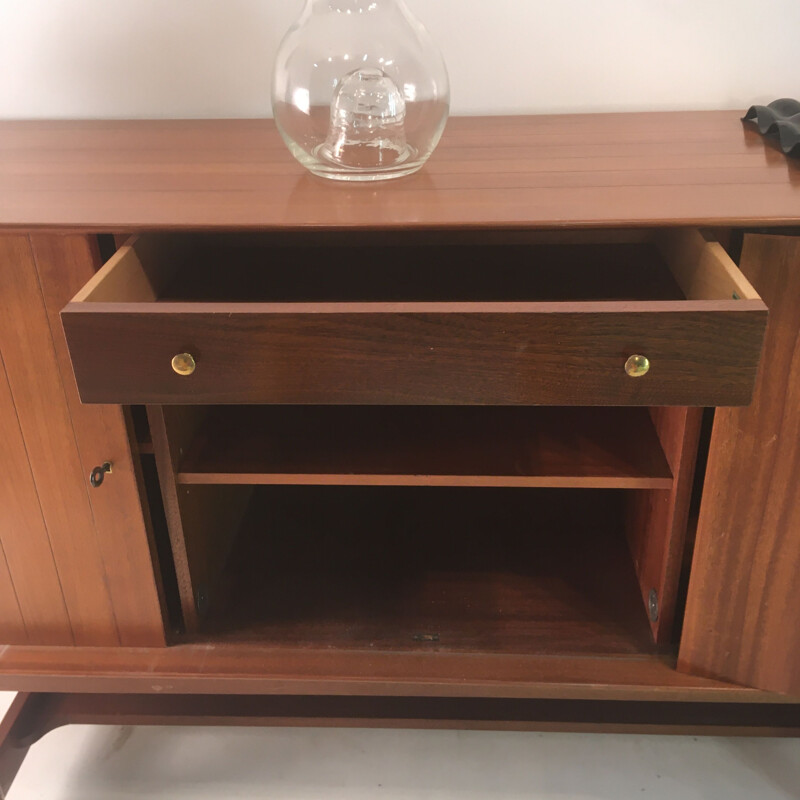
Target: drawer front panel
{"points": [[697, 357]]}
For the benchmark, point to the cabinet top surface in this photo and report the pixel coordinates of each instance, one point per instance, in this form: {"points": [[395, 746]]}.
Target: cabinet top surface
{"points": [[540, 172]]}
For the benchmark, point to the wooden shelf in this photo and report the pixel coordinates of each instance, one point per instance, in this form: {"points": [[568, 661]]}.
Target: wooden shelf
{"points": [[498, 571], [428, 446]]}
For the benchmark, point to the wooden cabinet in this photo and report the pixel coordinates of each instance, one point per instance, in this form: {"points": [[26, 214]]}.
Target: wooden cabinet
{"points": [[445, 443]]}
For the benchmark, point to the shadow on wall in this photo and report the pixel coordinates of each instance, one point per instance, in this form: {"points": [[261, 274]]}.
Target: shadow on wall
{"points": [[183, 58]]}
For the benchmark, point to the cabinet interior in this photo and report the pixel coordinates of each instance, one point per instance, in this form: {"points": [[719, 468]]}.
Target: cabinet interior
{"points": [[508, 530], [504, 571], [494, 529]]}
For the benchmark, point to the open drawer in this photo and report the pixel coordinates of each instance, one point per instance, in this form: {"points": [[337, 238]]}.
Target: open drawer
{"points": [[663, 319]]}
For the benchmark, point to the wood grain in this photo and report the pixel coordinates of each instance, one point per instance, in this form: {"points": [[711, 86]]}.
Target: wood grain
{"points": [[64, 264], [703, 270], [62, 484], [255, 669], [744, 590], [33, 604], [549, 171], [657, 520], [12, 625], [537, 354], [405, 446], [139, 273]]}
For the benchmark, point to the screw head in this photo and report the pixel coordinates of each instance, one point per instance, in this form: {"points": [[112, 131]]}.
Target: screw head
{"points": [[201, 601], [652, 605]]}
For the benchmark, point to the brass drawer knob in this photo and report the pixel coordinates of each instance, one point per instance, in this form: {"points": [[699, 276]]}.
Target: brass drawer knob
{"points": [[184, 364], [637, 365]]}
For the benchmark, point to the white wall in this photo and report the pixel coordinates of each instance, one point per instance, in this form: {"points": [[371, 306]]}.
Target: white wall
{"points": [[205, 58]]}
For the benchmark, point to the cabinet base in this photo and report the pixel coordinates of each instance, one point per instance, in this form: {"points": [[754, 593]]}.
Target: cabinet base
{"points": [[602, 716], [33, 715]]}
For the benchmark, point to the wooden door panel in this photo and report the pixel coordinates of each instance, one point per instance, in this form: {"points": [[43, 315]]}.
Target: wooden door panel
{"points": [[44, 419], [741, 620], [124, 534], [32, 605], [12, 625], [78, 560]]}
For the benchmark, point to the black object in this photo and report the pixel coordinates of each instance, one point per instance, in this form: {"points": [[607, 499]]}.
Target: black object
{"points": [[780, 120], [99, 474]]}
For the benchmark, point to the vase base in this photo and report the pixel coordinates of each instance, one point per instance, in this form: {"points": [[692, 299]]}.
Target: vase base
{"points": [[358, 176]]}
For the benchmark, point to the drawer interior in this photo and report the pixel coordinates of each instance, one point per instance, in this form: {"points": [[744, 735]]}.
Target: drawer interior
{"points": [[418, 268], [437, 273]]}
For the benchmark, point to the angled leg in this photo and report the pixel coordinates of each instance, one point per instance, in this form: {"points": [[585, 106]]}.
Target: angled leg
{"points": [[12, 749], [31, 716]]}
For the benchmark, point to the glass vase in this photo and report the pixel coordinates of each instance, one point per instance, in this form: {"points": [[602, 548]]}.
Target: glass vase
{"points": [[360, 92]]}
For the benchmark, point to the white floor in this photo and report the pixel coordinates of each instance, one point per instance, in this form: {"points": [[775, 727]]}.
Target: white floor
{"points": [[308, 764]]}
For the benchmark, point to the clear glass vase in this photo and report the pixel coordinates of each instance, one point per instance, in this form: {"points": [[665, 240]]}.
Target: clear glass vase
{"points": [[360, 92]]}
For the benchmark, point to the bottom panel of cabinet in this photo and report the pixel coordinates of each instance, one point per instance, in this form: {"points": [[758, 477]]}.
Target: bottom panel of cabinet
{"points": [[247, 669]]}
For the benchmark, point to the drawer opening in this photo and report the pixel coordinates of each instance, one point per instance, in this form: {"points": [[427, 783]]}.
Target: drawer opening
{"points": [[504, 571], [208, 268]]}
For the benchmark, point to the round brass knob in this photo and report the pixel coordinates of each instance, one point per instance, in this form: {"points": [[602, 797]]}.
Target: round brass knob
{"points": [[184, 364], [637, 365]]}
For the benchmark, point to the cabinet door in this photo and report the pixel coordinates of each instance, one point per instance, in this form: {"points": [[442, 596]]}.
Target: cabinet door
{"points": [[741, 619], [78, 559], [32, 608]]}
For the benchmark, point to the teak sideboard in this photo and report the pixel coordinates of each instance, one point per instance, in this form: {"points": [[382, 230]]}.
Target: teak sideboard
{"points": [[513, 442]]}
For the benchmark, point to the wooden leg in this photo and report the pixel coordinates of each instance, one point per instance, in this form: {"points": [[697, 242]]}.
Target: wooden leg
{"points": [[19, 729]]}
